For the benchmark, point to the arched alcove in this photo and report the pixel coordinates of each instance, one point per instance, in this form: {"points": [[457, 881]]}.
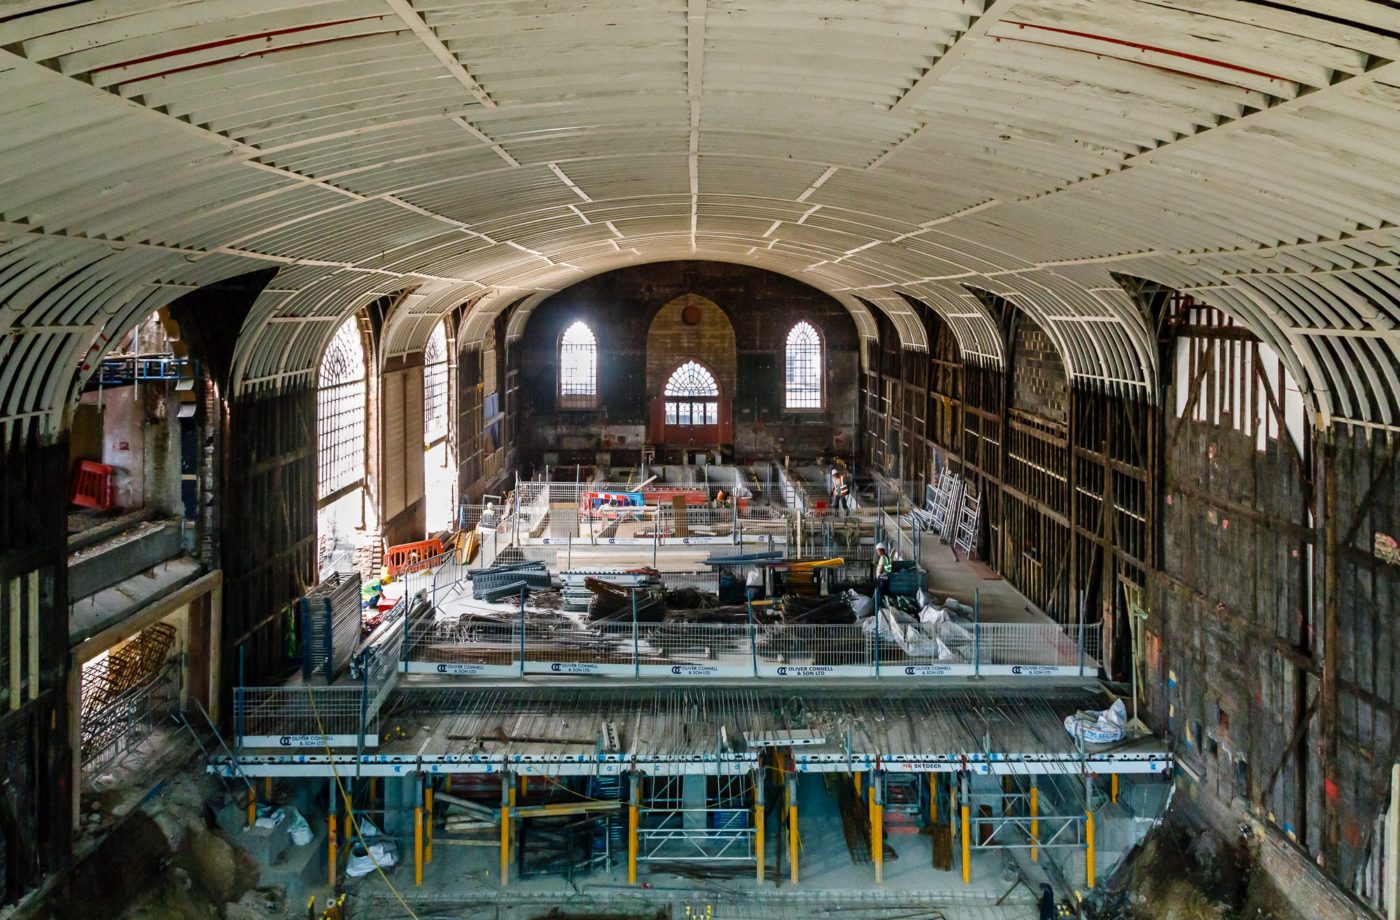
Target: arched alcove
{"points": [[692, 327]]}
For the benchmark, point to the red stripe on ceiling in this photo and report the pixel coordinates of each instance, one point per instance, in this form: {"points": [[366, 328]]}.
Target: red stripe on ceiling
{"points": [[247, 55], [1153, 48], [1118, 57], [257, 36]]}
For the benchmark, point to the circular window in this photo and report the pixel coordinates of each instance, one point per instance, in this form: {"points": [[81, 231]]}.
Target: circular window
{"points": [[691, 315]]}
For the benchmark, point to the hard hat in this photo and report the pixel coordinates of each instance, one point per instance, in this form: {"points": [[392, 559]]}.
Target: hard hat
{"points": [[879, 546]]}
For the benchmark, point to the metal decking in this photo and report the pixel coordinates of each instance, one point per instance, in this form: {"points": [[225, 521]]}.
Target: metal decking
{"points": [[554, 731]]}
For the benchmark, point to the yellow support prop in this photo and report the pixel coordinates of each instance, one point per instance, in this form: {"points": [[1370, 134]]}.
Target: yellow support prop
{"points": [[506, 810], [1035, 823], [632, 820], [1113, 788], [758, 840], [966, 846], [792, 840], [418, 845], [933, 798], [267, 789], [428, 807], [1089, 850], [330, 851], [877, 835], [758, 823]]}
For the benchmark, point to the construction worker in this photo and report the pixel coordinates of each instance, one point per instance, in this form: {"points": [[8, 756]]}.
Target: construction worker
{"points": [[843, 493], [753, 584], [884, 567]]}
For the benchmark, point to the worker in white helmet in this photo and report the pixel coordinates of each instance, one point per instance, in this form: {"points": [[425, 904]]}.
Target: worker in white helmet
{"points": [[884, 567], [753, 584]]}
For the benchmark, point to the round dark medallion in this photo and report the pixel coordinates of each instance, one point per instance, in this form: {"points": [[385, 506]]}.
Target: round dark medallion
{"points": [[690, 315]]}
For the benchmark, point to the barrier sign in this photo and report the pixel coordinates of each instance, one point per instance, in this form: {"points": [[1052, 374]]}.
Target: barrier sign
{"points": [[445, 669], [308, 741]]}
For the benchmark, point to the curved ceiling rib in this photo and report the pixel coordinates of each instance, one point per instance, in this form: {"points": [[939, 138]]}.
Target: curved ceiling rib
{"points": [[465, 149]]}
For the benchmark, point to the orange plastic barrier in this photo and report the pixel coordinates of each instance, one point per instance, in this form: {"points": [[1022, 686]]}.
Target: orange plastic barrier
{"points": [[92, 485], [410, 557]]}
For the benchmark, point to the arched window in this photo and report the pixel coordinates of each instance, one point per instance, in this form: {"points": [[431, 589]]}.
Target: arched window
{"points": [[439, 470], [340, 413], [578, 367], [804, 367], [435, 387], [692, 396]]}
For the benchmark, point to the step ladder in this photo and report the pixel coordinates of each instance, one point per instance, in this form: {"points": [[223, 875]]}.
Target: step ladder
{"points": [[967, 522], [943, 501], [608, 788], [613, 840]]}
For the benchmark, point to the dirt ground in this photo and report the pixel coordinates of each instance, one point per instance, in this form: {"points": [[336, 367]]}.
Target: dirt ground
{"points": [[1186, 872]]}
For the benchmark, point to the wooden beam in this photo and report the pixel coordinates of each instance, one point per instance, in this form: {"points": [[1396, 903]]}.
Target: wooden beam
{"points": [[428, 37], [90, 648], [961, 44]]}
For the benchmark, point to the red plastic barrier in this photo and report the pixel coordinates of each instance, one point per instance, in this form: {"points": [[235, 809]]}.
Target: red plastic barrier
{"points": [[92, 486], [410, 557]]}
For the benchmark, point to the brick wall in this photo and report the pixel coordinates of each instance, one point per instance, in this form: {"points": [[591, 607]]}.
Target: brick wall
{"points": [[620, 306], [1039, 384]]}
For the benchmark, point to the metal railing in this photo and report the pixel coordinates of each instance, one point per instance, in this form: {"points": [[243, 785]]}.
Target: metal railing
{"points": [[506, 645], [304, 716], [902, 544]]}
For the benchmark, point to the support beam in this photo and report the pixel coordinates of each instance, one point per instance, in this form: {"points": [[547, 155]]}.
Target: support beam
{"points": [[962, 43]]}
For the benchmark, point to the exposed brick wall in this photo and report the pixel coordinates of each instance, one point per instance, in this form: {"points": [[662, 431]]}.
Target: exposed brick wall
{"points": [[671, 341], [620, 307], [1039, 384]]}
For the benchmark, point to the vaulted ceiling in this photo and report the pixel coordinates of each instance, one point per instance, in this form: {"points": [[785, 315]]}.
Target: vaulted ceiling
{"points": [[442, 151]]}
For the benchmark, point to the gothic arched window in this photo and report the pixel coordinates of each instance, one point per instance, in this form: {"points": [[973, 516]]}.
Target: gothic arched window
{"points": [[340, 412], [691, 396], [435, 387]]}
